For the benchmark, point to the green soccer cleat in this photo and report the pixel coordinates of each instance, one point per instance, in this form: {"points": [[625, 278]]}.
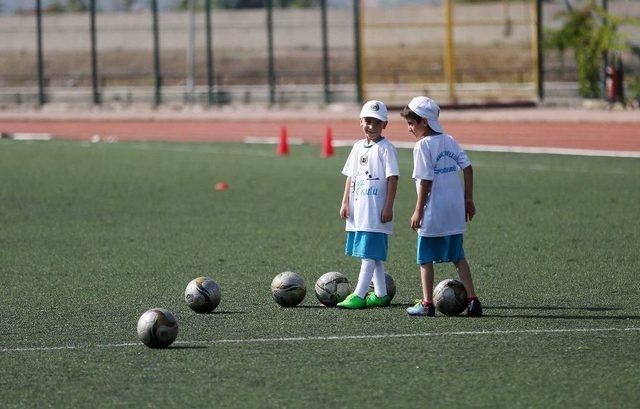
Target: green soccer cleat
{"points": [[374, 301], [353, 302]]}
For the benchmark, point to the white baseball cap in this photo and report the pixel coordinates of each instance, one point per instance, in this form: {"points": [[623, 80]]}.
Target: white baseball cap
{"points": [[427, 108], [374, 109]]}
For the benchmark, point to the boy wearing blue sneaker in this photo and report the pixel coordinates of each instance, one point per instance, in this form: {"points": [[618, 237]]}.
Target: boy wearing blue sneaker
{"points": [[367, 206], [443, 207]]}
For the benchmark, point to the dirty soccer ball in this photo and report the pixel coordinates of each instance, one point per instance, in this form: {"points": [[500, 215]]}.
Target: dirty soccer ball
{"points": [[288, 289], [157, 328], [331, 288], [450, 297], [202, 294]]}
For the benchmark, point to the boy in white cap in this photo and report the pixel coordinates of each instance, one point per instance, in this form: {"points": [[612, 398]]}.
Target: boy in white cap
{"points": [[442, 206], [367, 206]]}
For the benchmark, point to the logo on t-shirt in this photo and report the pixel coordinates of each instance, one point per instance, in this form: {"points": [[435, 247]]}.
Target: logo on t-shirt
{"points": [[363, 160]]}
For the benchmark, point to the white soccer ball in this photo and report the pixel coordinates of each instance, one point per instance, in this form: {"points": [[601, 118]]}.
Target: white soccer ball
{"points": [[202, 294], [157, 328], [288, 289], [391, 285], [331, 288], [450, 297]]}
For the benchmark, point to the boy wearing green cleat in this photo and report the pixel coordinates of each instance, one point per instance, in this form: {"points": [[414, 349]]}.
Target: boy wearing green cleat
{"points": [[367, 206]]}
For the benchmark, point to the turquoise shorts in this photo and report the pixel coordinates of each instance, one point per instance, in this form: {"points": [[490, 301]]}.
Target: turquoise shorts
{"points": [[366, 244], [440, 249]]}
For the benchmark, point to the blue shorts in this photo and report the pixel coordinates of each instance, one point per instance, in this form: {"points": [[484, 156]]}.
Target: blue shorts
{"points": [[440, 249], [366, 244]]}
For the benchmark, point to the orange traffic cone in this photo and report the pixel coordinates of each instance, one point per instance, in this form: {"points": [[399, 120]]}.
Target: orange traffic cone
{"points": [[327, 144], [283, 146]]}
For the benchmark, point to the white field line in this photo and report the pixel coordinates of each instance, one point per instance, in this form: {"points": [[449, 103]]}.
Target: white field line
{"points": [[327, 338], [516, 149]]}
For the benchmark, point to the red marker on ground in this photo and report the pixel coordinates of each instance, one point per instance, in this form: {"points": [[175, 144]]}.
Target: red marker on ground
{"points": [[221, 186]]}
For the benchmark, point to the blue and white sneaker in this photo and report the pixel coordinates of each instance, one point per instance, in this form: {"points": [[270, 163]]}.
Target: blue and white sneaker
{"points": [[422, 309]]}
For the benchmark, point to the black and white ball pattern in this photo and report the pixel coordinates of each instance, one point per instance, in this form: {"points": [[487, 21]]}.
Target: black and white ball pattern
{"points": [[450, 297], [157, 328], [202, 295], [288, 289], [331, 288]]}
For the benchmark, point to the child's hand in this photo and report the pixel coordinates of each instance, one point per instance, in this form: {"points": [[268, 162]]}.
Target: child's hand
{"points": [[469, 210], [344, 211], [416, 220], [387, 215]]}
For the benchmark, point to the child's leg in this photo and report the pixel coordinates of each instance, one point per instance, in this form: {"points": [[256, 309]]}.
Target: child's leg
{"points": [[367, 268], [426, 277], [465, 276], [379, 281]]}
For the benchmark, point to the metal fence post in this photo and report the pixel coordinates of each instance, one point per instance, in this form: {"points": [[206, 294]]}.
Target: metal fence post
{"points": [[325, 52], [540, 35], [271, 67], [94, 53], [210, 68], [190, 83], [449, 51], [156, 54], [41, 94], [357, 31]]}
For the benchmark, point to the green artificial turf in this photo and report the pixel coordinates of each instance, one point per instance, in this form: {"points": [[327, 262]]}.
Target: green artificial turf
{"points": [[92, 235]]}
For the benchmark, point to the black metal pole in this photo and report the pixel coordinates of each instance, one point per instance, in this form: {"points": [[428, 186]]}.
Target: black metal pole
{"points": [[210, 69], [272, 74], [540, 40], [156, 54], [41, 95], [325, 52], [357, 50], [94, 53]]}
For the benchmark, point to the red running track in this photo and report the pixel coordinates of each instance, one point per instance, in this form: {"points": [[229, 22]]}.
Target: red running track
{"points": [[571, 135]]}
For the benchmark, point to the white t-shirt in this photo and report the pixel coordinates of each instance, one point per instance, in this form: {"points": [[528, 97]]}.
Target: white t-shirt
{"points": [[439, 158], [369, 166]]}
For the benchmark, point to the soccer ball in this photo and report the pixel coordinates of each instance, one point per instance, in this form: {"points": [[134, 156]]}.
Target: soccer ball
{"points": [[157, 328], [202, 294], [391, 285], [450, 297], [331, 288], [288, 289]]}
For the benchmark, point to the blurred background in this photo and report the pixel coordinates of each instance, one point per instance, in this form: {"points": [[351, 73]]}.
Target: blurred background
{"points": [[225, 52]]}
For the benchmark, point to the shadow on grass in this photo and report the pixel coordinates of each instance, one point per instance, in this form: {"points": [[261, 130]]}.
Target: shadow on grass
{"points": [[226, 312], [187, 347], [312, 306]]}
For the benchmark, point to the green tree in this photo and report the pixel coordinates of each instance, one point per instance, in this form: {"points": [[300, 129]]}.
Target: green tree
{"points": [[590, 32]]}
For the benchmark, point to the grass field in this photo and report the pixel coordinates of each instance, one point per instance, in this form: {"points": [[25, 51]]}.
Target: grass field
{"points": [[92, 235]]}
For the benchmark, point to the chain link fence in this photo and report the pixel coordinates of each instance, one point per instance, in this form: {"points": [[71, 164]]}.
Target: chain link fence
{"points": [[490, 55]]}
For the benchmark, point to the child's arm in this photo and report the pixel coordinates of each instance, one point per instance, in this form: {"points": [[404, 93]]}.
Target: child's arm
{"points": [[344, 208], [423, 192], [387, 210], [469, 206]]}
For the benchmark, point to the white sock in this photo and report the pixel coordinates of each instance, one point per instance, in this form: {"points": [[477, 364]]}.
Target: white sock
{"points": [[364, 279], [379, 282]]}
